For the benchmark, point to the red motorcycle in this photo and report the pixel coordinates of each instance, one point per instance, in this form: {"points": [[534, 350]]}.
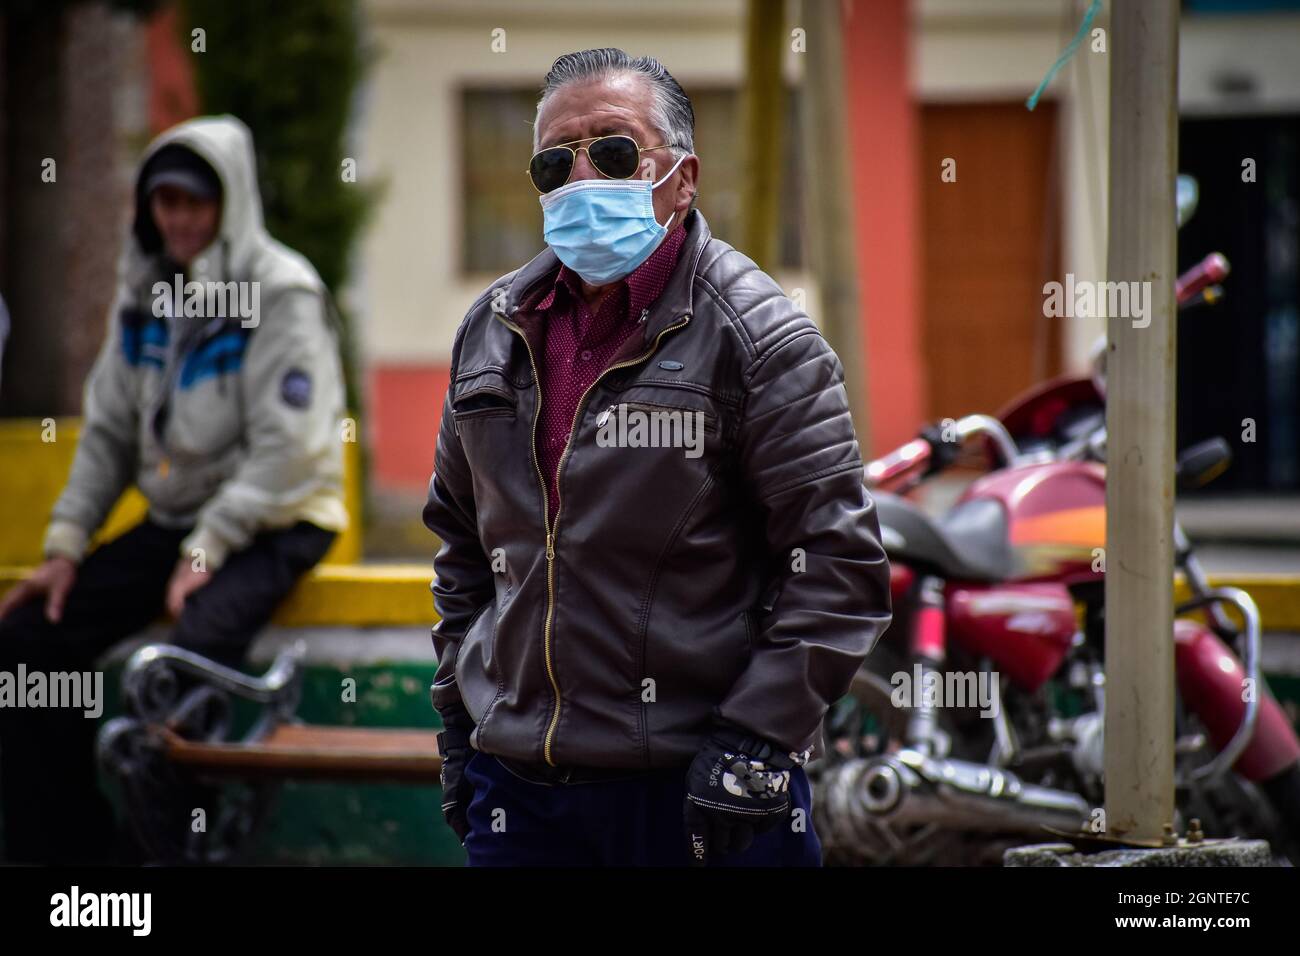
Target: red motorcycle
{"points": [[977, 721]]}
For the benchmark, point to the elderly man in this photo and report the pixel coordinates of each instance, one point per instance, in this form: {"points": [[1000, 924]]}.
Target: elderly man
{"points": [[659, 566], [224, 411]]}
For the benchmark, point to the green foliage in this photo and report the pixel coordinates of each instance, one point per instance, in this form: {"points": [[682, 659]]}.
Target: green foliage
{"points": [[289, 70]]}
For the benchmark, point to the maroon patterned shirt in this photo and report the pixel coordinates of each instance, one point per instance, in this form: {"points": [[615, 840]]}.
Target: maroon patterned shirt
{"points": [[580, 345]]}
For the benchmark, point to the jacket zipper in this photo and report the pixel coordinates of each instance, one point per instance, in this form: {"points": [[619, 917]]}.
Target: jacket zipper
{"points": [[551, 525]]}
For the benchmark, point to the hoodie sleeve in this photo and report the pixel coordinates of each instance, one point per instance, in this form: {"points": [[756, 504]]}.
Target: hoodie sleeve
{"points": [[293, 402], [107, 451]]}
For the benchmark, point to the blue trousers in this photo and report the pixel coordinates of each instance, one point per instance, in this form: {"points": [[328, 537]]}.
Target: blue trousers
{"points": [[635, 821]]}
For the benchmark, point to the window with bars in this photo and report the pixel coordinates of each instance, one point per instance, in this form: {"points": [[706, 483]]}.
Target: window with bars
{"points": [[501, 223]]}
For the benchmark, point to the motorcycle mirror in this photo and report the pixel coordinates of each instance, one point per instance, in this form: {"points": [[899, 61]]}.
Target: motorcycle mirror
{"points": [[1202, 463], [1187, 193]]}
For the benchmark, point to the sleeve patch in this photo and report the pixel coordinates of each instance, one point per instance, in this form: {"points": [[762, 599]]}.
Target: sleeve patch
{"points": [[295, 388]]}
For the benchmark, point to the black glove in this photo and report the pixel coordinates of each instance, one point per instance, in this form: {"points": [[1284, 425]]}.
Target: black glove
{"points": [[737, 786], [942, 453], [457, 791]]}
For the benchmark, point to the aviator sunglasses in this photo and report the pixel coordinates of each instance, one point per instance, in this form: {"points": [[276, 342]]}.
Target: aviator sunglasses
{"points": [[615, 157]]}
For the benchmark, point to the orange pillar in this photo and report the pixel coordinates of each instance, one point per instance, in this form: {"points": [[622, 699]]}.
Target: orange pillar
{"points": [[172, 96], [883, 139]]}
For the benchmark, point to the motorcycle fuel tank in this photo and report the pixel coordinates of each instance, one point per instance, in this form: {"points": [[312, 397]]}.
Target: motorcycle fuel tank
{"points": [[1056, 515]]}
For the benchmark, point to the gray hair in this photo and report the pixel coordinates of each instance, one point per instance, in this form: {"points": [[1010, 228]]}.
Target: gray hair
{"points": [[671, 114]]}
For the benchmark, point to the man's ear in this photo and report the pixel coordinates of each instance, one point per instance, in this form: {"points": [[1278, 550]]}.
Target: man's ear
{"points": [[695, 189]]}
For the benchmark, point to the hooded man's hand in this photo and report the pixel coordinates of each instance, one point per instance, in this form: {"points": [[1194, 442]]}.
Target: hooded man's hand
{"points": [[184, 582], [53, 580]]}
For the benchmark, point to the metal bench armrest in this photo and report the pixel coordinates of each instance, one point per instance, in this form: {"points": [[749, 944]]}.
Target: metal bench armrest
{"points": [[152, 691]]}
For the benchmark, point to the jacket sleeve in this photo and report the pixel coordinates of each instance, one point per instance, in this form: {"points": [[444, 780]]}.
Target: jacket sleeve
{"points": [[107, 451], [293, 401], [800, 461], [462, 584]]}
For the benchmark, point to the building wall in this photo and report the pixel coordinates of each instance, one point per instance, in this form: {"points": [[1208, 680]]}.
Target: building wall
{"points": [[410, 294], [414, 295]]}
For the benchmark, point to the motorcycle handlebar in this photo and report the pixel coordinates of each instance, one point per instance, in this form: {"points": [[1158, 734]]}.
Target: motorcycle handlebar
{"points": [[899, 463], [936, 447], [1212, 269]]}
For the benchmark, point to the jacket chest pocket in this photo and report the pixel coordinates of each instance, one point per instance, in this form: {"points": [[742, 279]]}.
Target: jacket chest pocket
{"points": [[482, 398], [660, 413], [656, 414]]}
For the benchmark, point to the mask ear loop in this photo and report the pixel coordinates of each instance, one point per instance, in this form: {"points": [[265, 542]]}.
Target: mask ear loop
{"points": [[667, 176]]}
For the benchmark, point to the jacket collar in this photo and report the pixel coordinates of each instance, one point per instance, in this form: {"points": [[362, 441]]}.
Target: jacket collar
{"points": [[675, 301]]}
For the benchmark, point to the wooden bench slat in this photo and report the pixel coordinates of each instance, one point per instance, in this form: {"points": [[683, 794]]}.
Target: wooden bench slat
{"points": [[311, 751]]}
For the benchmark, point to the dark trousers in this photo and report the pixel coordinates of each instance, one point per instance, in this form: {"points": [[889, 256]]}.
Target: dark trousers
{"points": [[53, 809], [633, 821]]}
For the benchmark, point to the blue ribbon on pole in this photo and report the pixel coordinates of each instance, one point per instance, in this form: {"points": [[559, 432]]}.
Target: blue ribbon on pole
{"points": [[1066, 54]]}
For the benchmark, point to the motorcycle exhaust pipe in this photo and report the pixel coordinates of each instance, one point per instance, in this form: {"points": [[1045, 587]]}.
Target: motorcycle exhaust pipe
{"points": [[912, 789]]}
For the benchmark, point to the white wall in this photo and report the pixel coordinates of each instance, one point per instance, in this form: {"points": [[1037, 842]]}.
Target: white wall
{"points": [[413, 296], [428, 50]]}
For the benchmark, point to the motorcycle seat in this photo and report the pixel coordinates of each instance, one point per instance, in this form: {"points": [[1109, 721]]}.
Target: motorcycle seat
{"points": [[969, 542]]}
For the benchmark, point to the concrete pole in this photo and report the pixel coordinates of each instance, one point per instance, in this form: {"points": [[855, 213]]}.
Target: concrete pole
{"points": [[829, 187], [1139, 759]]}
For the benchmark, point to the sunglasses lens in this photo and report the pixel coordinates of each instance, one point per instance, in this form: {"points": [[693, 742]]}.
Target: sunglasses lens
{"points": [[615, 156], [550, 168]]}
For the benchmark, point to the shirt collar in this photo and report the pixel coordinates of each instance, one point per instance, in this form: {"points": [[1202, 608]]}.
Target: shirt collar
{"points": [[644, 284]]}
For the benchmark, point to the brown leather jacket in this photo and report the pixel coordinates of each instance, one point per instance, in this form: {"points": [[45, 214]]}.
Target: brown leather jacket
{"points": [[742, 576]]}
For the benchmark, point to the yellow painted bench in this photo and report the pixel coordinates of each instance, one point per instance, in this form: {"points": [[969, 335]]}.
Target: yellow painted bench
{"points": [[35, 458], [397, 595], [340, 595], [340, 592], [36, 455]]}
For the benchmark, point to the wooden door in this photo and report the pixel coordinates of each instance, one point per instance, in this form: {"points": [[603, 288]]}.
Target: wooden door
{"points": [[990, 240]]}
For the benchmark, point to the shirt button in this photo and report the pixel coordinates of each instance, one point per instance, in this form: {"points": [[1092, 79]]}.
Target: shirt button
{"points": [[586, 355]]}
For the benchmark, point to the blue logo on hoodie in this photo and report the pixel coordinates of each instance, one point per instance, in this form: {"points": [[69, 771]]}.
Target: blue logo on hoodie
{"points": [[215, 356], [295, 388], [144, 338]]}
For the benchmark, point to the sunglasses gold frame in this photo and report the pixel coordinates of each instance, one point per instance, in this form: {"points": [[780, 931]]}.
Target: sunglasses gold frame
{"points": [[589, 140]]}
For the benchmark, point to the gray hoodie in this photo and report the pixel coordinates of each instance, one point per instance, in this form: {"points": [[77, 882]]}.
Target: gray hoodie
{"points": [[222, 404]]}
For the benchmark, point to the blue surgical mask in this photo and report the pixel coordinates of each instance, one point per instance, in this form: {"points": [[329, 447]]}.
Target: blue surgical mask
{"points": [[603, 229]]}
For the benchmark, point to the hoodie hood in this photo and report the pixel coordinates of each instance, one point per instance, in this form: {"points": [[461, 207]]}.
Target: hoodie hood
{"points": [[242, 248]]}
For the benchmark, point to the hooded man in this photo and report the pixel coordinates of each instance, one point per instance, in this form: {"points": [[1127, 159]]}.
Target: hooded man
{"points": [[218, 392]]}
